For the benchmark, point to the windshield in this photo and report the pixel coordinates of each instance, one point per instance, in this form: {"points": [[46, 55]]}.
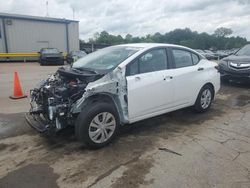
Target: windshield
{"points": [[208, 51], [78, 53], [244, 51], [50, 51], [106, 58]]}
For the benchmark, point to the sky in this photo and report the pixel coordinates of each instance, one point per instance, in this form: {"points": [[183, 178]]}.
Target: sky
{"points": [[141, 17]]}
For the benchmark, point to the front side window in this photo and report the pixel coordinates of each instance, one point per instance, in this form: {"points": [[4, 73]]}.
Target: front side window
{"points": [[182, 58], [132, 68], [154, 60]]}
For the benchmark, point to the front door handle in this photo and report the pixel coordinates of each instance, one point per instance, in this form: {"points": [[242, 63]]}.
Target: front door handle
{"points": [[200, 69], [168, 78]]}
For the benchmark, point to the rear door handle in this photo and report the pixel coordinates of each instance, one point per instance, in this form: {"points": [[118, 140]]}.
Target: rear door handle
{"points": [[137, 78], [200, 69]]}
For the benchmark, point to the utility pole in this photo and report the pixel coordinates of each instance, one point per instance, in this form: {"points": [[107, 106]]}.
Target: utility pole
{"points": [[47, 8], [73, 10]]}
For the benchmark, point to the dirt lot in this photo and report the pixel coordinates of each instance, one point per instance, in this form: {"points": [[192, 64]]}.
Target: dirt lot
{"points": [[179, 149]]}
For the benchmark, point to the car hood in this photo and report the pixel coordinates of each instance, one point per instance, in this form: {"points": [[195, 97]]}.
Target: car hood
{"points": [[71, 73], [242, 59]]}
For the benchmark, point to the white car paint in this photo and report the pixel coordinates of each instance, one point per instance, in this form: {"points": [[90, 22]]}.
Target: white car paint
{"points": [[188, 81], [149, 92], [154, 93]]}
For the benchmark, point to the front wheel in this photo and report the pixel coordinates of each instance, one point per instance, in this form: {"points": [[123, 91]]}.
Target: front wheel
{"points": [[204, 99], [97, 125]]}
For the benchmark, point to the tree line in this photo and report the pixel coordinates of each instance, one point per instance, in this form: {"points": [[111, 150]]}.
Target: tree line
{"points": [[219, 40]]}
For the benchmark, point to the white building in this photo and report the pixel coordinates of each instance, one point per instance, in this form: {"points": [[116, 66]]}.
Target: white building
{"points": [[27, 34]]}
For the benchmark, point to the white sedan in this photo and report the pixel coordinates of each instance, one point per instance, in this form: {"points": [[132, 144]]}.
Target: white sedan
{"points": [[124, 84]]}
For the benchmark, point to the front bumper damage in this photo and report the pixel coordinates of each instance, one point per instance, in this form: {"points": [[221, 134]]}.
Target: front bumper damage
{"points": [[57, 102], [37, 122], [40, 123], [50, 119]]}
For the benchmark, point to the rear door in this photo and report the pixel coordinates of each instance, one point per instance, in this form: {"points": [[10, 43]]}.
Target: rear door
{"points": [[188, 76], [149, 84]]}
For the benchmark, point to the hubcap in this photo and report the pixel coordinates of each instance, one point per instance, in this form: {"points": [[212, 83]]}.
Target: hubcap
{"points": [[102, 127], [206, 98]]}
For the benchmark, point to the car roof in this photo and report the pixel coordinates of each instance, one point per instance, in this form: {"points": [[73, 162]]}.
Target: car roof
{"points": [[151, 45], [48, 48]]}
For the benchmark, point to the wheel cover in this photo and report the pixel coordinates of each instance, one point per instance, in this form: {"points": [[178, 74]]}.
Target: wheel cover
{"points": [[102, 127], [206, 98]]}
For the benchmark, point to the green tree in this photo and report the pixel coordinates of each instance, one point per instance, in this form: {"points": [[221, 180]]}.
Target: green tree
{"points": [[185, 37], [223, 32], [128, 38]]}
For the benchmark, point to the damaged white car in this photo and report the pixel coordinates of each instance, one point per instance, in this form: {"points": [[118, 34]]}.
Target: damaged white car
{"points": [[121, 85]]}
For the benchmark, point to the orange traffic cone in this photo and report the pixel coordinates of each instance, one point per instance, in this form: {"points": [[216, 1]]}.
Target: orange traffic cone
{"points": [[17, 92]]}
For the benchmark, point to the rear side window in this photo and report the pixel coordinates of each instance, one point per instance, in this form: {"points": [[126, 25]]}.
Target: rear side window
{"points": [[154, 60], [183, 58]]}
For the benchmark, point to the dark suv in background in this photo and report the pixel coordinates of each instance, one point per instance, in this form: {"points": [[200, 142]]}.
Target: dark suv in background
{"points": [[236, 66], [50, 56]]}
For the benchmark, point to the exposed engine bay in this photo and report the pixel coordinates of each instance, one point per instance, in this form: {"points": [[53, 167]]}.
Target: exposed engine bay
{"points": [[51, 101]]}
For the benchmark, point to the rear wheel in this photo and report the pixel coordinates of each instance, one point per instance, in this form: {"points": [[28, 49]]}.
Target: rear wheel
{"points": [[97, 125], [204, 99]]}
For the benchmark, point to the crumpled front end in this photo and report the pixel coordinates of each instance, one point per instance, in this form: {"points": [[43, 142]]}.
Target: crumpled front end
{"points": [[51, 101]]}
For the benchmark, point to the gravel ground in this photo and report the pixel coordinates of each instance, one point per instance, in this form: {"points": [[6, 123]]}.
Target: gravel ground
{"points": [[178, 149]]}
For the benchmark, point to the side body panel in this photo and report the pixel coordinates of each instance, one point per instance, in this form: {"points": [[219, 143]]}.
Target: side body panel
{"points": [[189, 80], [152, 93], [149, 93]]}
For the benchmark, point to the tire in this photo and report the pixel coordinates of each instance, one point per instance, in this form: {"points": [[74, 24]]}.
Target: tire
{"points": [[204, 99], [41, 63], [87, 123], [61, 63]]}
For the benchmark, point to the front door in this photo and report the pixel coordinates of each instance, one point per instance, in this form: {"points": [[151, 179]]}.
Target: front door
{"points": [[149, 85]]}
